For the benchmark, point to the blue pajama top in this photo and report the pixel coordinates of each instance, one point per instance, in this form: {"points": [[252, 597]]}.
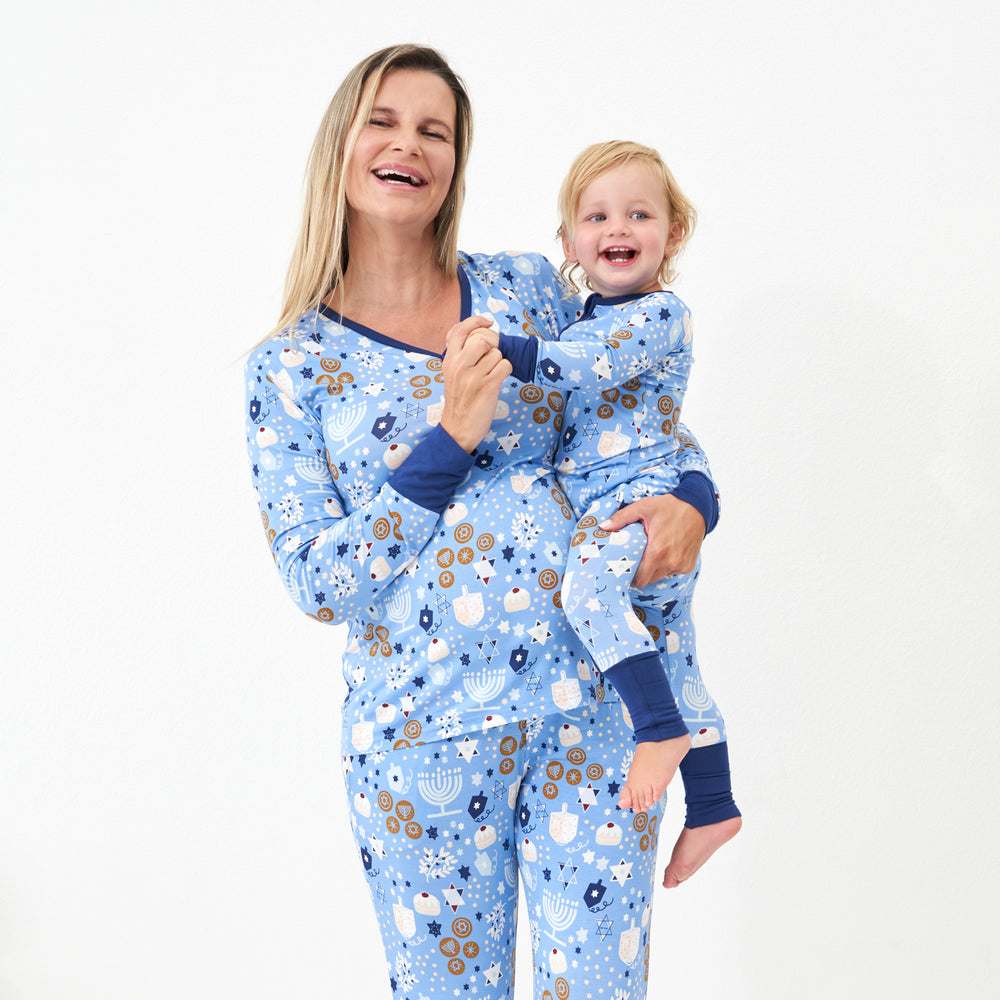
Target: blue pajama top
{"points": [[446, 567]]}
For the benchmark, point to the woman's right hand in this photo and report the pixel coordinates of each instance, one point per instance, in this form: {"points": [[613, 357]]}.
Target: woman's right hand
{"points": [[474, 370]]}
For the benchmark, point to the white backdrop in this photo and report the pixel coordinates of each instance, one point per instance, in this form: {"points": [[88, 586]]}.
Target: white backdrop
{"points": [[171, 814]]}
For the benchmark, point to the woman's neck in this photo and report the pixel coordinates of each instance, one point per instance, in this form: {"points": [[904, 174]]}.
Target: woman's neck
{"points": [[394, 286]]}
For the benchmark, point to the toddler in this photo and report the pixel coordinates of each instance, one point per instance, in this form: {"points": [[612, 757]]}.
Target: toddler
{"points": [[624, 221]]}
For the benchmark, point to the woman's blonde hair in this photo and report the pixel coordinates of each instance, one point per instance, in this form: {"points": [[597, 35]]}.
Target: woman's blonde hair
{"points": [[321, 251], [598, 159]]}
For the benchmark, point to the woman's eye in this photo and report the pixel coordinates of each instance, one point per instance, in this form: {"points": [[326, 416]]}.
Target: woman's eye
{"points": [[431, 134], [378, 122]]}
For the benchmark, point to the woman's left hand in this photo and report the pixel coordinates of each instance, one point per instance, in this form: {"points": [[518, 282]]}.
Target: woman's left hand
{"points": [[674, 533], [474, 372]]}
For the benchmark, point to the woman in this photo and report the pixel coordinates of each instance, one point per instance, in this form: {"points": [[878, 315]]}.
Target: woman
{"points": [[410, 494]]}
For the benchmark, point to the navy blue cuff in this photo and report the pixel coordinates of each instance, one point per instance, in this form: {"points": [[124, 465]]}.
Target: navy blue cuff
{"points": [[698, 490], [708, 788], [432, 471], [522, 353], [642, 684]]}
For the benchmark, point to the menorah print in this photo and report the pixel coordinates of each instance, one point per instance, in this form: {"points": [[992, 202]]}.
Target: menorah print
{"points": [[463, 711], [441, 788], [696, 696], [485, 685], [343, 422], [397, 609], [510, 872], [316, 471], [560, 912]]}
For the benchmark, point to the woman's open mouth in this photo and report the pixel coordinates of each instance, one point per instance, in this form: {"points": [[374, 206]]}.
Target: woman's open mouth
{"points": [[393, 176]]}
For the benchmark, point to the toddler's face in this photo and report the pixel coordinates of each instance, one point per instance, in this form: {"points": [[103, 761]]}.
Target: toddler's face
{"points": [[622, 231]]}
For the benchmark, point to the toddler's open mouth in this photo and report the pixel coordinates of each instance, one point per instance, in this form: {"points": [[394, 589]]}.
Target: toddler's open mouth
{"points": [[618, 255]]}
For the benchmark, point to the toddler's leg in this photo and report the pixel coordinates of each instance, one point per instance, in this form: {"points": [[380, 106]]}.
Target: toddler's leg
{"points": [[712, 815], [597, 602], [595, 592]]}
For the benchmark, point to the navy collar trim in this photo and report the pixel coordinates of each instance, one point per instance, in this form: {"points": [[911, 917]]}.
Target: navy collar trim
{"points": [[381, 338]]}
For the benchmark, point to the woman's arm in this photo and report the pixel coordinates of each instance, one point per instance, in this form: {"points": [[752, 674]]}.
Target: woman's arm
{"points": [[340, 538], [675, 523], [332, 563]]}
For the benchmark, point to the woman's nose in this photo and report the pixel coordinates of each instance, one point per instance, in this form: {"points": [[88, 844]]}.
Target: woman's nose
{"points": [[406, 140]]}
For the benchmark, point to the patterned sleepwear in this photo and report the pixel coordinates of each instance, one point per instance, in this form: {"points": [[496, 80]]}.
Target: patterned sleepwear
{"points": [[449, 830], [626, 361], [445, 567]]}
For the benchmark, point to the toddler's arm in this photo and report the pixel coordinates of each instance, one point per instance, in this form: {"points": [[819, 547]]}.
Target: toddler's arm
{"points": [[599, 353]]}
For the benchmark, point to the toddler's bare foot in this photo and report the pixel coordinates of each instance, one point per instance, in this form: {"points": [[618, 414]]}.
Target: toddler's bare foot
{"points": [[652, 768], [695, 846]]}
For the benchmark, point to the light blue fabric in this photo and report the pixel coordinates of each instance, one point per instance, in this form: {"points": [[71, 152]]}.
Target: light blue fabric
{"points": [[453, 617], [448, 832], [626, 363]]}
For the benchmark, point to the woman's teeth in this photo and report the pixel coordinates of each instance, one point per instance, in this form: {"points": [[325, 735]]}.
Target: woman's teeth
{"points": [[397, 178]]}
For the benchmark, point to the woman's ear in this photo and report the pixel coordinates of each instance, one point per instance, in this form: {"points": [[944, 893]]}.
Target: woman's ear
{"points": [[569, 250]]}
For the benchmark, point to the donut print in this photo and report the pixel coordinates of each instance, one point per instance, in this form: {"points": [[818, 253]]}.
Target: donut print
{"points": [[446, 631], [442, 896]]}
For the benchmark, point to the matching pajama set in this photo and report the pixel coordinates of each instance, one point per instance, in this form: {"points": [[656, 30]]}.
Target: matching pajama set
{"points": [[627, 361], [481, 750]]}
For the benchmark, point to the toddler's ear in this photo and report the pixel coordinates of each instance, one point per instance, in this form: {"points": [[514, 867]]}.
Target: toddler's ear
{"points": [[673, 239], [569, 250]]}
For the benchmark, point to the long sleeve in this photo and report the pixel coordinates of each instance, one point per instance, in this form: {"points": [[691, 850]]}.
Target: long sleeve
{"points": [[339, 535], [650, 334]]}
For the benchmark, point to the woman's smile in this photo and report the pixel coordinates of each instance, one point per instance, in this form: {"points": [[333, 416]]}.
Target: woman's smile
{"points": [[393, 173]]}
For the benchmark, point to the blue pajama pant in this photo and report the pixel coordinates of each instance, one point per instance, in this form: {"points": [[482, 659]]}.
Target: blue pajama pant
{"points": [[448, 830], [615, 621]]}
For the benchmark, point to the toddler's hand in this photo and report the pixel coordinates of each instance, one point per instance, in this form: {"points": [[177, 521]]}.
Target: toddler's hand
{"points": [[482, 327]]}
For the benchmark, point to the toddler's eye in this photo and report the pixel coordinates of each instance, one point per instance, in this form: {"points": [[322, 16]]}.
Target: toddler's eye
{"points": [[640, 216], [596, 217]]}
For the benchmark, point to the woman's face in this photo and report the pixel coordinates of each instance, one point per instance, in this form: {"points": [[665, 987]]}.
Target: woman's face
{"points": [[402, 165]]}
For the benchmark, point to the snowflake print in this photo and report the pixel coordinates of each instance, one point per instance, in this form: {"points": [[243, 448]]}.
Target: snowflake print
{"points": [[664, 369], [405, 979], [449, 724], [535, 725], [496, 920], [368, 359], [525, 531], [290, 506], [639, 365], [491, 273], [437, 864], [342, 582], [398, 674], [360, 492]]}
